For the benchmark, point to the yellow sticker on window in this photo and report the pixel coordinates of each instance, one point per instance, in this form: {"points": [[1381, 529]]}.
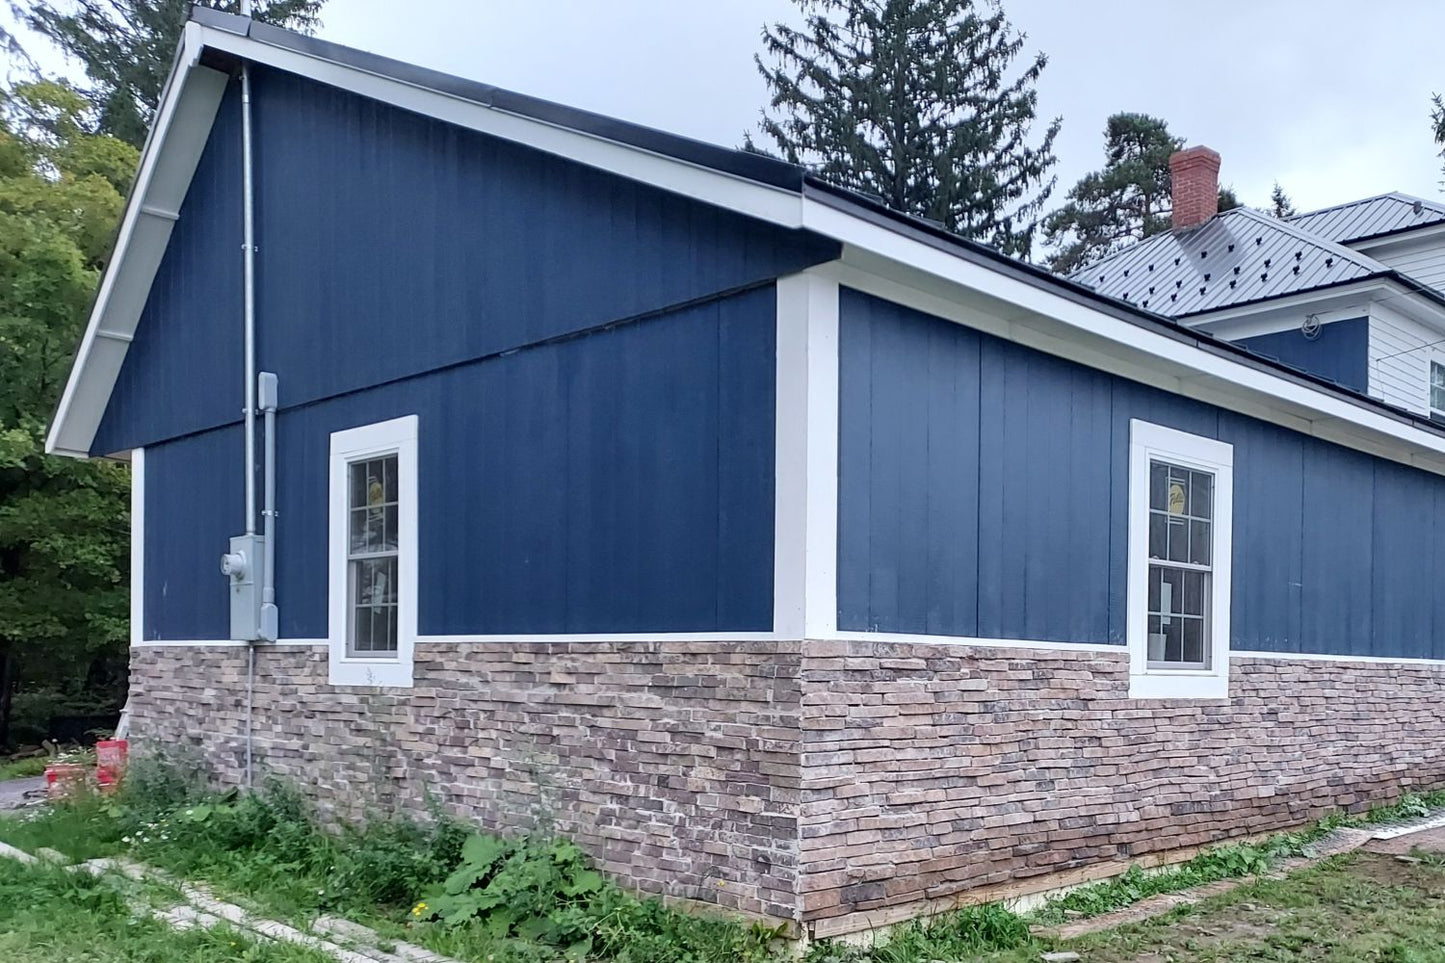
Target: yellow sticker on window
{"points": [[1176, 498]]}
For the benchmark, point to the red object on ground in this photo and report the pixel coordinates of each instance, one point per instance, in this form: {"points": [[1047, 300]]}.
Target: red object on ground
{"points": [[110, 760], [62, 778]]}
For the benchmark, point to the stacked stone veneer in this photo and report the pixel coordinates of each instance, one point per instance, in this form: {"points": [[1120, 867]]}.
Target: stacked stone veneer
{"points": [[675, 764], [822, 781], [932, 770]]}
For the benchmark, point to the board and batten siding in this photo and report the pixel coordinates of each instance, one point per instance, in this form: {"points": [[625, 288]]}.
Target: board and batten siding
{"points": [[390, 244], [983, 494], [1400, 352], [1339, 352], [619, 481]]}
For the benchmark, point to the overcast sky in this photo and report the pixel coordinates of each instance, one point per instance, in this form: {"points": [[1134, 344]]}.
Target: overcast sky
{"points": [[1329, 97]]}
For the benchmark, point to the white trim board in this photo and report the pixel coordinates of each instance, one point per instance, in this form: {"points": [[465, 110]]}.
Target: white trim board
{"points": [[226, 643], [896, 638], [395, 437], [805, 516], [137, 545]]}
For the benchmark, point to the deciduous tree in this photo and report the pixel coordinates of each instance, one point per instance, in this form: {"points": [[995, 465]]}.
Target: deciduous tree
{"points": [[63, 523]]}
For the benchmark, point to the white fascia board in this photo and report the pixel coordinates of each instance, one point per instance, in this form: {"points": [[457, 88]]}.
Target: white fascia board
{"points": [[1120, 346], [168, 162], [773, 204]]}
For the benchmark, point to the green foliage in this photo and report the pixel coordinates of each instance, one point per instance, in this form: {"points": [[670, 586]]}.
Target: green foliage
{"points": [[63, 524], [918, 103], [1437, 120], [1128, 199], [126, 48], [1280, 205], [957, 935], [48, 915]]}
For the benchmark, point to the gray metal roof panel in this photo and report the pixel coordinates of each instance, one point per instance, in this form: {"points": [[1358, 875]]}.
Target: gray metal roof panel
{"points": [[1371, 217], [1234, 258]]}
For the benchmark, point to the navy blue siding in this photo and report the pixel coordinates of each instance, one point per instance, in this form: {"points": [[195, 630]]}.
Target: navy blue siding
{"points": [[983, 493], [1340, 353], [620, 481], [391, 244]]}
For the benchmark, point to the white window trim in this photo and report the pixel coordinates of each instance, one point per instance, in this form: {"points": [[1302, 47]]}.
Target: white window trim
{"points": [[1148, 441], [1434, 356], [398, 437]]}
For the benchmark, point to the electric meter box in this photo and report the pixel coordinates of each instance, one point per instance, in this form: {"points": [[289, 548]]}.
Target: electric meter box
{"points": [[242, 568]]}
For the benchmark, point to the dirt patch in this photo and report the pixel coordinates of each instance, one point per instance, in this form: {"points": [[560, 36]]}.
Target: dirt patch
{"points": [[1428, 840]]}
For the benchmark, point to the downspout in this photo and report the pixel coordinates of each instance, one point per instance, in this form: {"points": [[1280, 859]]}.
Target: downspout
{"points": [[248, 260]]}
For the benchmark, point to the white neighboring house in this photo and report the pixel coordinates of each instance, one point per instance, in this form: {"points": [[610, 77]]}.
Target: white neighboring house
{"points": [[1353, 294]]}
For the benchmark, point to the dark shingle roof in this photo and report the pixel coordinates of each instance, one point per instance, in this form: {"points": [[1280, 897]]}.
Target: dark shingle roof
{"points": [[1371, 217], [1234, 258]]}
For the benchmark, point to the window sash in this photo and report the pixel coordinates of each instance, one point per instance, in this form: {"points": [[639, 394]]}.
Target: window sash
{"points": [[1180, 571], [373, 556]]}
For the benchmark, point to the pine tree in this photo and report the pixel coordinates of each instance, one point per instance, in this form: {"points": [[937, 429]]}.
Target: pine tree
{"points": [[1128, 199], [1437, 120], [1280, 205], [915, 102], [126, 47]]}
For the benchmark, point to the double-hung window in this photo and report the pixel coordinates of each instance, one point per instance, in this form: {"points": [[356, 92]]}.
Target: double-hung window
{"points": [[372, 584], [1437, 388], [1180, 508]]}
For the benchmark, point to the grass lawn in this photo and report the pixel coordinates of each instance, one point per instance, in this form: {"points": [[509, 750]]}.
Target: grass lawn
{"points": [[536, 900], [48, 915], [1358, 908]]}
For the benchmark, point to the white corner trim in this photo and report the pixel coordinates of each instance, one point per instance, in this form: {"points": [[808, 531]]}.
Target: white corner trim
{"points": [[1147, 441], [805, 517], [137, 544], [399, 437]]}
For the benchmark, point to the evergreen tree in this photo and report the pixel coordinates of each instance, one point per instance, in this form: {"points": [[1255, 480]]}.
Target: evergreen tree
{"points": [[1437, 120], [1128, 199], [915, 102], [64, 530], [1280, 205], [126, 47]]}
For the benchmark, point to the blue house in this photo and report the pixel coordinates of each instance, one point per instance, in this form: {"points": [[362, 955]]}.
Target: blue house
{"points": [[788, 552]]}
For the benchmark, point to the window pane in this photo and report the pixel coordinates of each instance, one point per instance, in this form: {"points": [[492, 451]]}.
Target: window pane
{"points": [[1178, 539], [358, 485], [1178, 491], [1158, 475], [389, 483], [389, 521], [361, 622], [1192, 600], [1193, 640], [1437, 398], [1155, 577], [1174, 640], [358, 531], [1437, 375], [1158, 535], [1171, 592], [1201, 494], [1199, 542], [1156, 640]]}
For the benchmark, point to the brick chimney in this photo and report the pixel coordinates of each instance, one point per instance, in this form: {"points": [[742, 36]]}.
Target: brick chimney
{"points": [[1195, 175]]}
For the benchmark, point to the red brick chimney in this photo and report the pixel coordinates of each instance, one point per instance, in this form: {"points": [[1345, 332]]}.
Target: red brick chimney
{"points": [[1195, 174]]}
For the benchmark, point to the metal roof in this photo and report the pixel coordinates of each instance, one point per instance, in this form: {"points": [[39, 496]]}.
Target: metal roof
{"points": [[1371, 217], [1233, 258]]}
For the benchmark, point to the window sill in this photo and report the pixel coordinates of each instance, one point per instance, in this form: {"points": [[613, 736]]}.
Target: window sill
{"points": [[1179, 684], [374, 673]]}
